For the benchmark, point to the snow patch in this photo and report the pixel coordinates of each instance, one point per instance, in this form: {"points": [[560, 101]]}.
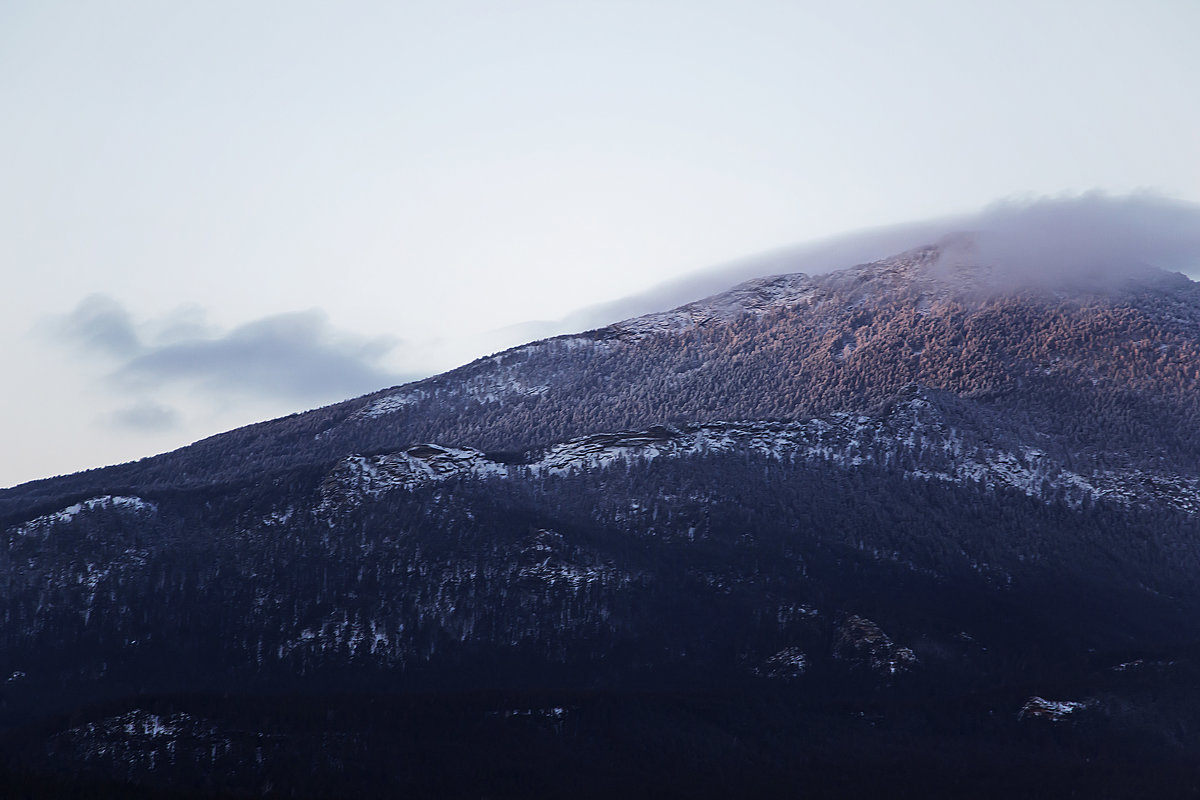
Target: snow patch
{"points": [[1053, 710], [101, 503], [756, 297], [389, 404]]}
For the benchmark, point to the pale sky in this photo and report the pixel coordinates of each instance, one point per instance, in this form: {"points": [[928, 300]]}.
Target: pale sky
{"points": [[214, 213]]}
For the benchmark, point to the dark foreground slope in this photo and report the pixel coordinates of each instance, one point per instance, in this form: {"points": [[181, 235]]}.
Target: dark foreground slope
{"points": [[892, 529]]}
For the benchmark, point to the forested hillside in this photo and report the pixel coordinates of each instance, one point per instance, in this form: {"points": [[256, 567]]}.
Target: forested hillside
{"points": [[787, 537]]}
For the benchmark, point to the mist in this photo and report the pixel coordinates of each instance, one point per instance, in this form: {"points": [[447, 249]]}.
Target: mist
{"points": [[1091, 238]]}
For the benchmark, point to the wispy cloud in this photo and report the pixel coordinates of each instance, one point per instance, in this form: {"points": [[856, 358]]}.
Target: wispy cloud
{"points": [[296, 357], [102, 324], [146, 417]]}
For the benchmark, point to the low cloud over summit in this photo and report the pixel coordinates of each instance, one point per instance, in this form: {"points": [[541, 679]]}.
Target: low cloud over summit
{"points": [[1093, 236], [1090, 237]]}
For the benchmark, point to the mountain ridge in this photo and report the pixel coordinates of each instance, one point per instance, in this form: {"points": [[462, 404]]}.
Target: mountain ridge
{"points": [[837, 315]]}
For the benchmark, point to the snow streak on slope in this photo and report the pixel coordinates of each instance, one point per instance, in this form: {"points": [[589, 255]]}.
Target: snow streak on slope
{"points": [[755, 297]]}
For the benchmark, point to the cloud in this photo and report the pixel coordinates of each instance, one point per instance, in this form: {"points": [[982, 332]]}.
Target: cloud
{"points": [[1091, 236], [146, 417], [100, 323], [295, 357]]}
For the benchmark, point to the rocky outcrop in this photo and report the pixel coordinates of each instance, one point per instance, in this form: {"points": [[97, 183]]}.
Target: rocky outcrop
{"points": [[864, 647]]}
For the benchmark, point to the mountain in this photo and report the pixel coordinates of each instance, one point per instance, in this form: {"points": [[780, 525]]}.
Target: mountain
{"points": [[785, 537]]}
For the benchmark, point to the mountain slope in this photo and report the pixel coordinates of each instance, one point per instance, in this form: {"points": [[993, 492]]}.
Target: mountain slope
{"points": [[906, 484], [1110, 374]]}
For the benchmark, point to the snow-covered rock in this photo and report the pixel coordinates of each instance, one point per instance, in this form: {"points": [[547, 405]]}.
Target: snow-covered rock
{"points": [[862, 645], [42, 524], [790, 662], [1053, 710], [358, 477]]}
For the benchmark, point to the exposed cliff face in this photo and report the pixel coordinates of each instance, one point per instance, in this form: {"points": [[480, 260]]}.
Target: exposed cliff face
{"points": [[914, 437]]}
